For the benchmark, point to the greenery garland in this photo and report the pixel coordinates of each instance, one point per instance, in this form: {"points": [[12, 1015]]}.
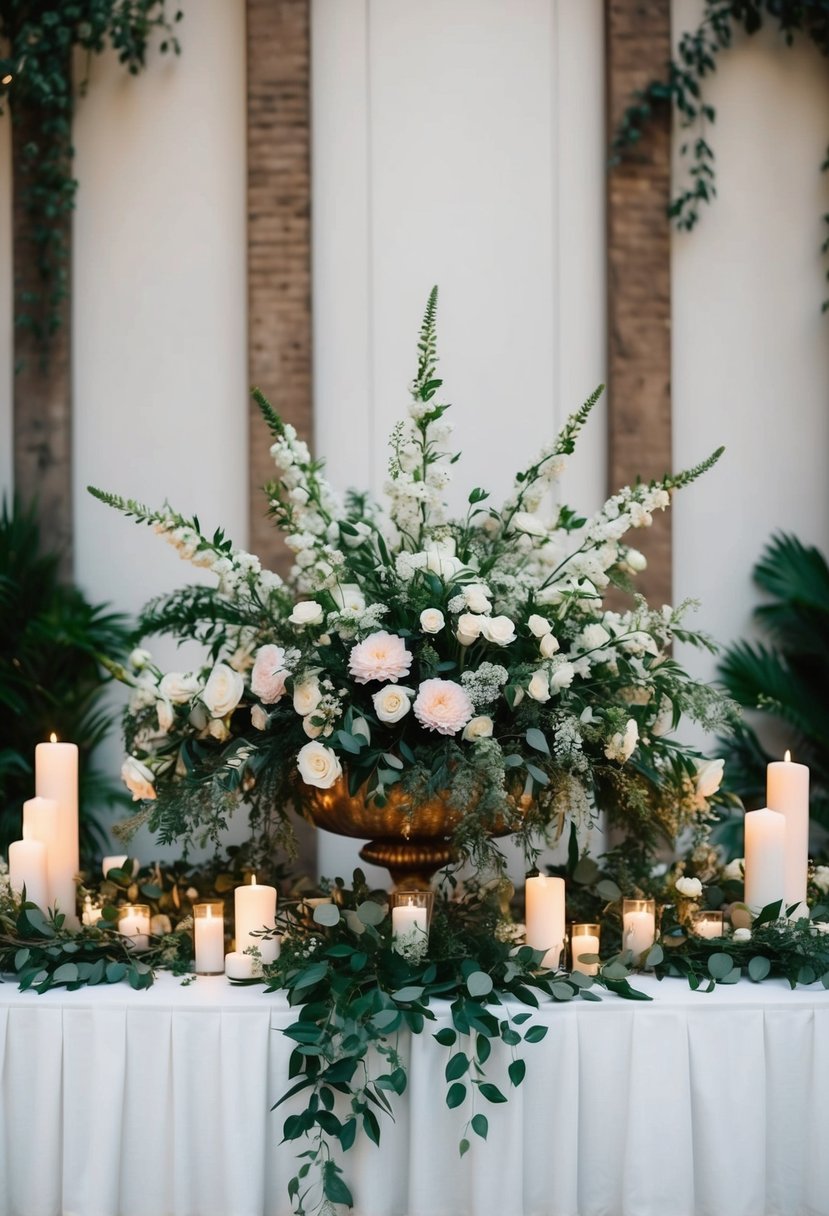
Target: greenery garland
{"points": [[38, 38], [682, 87]]}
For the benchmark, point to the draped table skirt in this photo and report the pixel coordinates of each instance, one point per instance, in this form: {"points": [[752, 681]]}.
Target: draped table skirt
{"points": [[157, 1103]]}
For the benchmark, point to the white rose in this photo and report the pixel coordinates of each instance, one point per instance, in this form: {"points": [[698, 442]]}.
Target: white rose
{"points": [[312, 728], [392, 702], [139, 780], [690, 887], [531, 525], [469, 628], [349, 598], [166, 716], [539, 625], [709, 776], [478, 728], [562, 677], [306, 612], [179, 687], [223, 690], [548, 646], [443, 562], [477, 597], [307, 696], [259, 719], [139, 658], [498, 629], [539, 686], [432, 620], [735, 869], [318, 765]]}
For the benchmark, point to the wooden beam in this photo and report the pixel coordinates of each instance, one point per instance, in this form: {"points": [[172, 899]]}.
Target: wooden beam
{"points": [[42, 382], [638, 42], [279, 238]]}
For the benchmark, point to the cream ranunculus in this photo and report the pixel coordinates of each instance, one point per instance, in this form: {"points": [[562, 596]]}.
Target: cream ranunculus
{"points": [[223, 690], [539, 625], [432, 620], [179, 687], [349, 598], [539, 686], [469, 628], [306, 612], [392, 702], [138, 779], [709, 776], [691, 888], [380, 656], [307, 696], [443, 706], [478, 728], [499, 630], [548, 645], [318, 765]]}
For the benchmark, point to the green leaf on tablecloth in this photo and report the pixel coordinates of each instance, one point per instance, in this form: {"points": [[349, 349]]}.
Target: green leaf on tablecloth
{"points": [[457, 1066], [535, 1034], [21, 958], [654, 956], [520, 1018], [587, 994], [480, 1125], [37, 921], [483, 1048], [67, 973], [447, 1036], [491, 1092], [115, 972], [479, 984], [327, 914], [720, 965], [758, 968], [411, 993], [733, 977], [517, 1071], [561, 990], [615, 971], [824, 979], [455, 1094], [509, 1036], [463, 1147], [806, 974]]}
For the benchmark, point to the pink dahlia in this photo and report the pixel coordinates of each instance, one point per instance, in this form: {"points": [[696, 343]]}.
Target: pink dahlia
{"points": [[380, 656], [267, 680], [443, 705]]}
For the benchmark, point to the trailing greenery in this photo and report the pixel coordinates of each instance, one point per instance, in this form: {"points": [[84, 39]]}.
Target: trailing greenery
{"points": [[684, 82], [38, 38], [785, 677], [50, 677]]}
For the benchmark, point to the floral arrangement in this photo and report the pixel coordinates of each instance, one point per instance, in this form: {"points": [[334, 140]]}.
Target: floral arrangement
{"points": [[473, 658]]}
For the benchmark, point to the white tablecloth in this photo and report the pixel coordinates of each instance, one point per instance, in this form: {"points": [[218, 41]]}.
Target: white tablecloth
{"points": [[157, 1103]]}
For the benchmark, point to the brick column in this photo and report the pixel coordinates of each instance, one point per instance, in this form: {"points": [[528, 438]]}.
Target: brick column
{"points": [[638, 42], [279, 237]]}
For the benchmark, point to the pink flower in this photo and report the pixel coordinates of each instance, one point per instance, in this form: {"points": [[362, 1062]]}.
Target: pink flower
{"points": [[381, 656], [443, 705], [267, 680]]}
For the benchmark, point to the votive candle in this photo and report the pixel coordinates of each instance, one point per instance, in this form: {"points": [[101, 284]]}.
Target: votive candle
{"points": [[134, 923], [585, 939], [209, 937], [638, 927], [708, 924]]}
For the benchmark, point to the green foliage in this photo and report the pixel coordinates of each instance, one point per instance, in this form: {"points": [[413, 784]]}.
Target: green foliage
{"points": [[683, 88], [50, 673], [38, 38], [786, 676]]}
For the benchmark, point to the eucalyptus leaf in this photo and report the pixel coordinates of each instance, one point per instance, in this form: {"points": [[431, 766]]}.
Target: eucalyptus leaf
{"points": [[479, 984], [758, 968], [327, 914], [720, 965], [371, 913]]}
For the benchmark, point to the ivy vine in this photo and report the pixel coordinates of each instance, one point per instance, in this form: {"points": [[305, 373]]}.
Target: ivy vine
{"points": [[683, 88], [37, 41]]}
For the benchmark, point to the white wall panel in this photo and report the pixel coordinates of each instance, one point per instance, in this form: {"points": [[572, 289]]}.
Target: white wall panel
{"points": [[750, 347]]}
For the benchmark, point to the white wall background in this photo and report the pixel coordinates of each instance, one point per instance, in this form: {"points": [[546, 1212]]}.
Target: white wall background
{"points": [[750, 346]]}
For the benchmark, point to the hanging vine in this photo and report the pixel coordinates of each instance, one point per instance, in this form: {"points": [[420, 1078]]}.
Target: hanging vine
{"points": [[683, 88], [37, 42]]}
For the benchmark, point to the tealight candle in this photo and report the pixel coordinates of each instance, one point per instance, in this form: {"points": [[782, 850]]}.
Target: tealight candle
{"points": [[585, 939], [765, 861], [40, 822], [27, 868], [255, 909], [787, 792], [638, 927], [545, 917], [209, 937], [134, 923], [708, 924], [56, 777]]}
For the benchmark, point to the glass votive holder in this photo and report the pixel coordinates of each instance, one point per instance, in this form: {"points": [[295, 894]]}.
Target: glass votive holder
{"points": [[584, 939], [708, 923], [134, 923], [411, 915], [638, 927], [209, 937]]}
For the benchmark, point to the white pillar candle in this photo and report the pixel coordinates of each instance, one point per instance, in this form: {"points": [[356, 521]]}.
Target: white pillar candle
{"points": [[584, 943], [638, 933], [134, 922], [56, 777], [545, 917], [209, 939], [787, 792], [765, 861], [27, 868], [240, 966], [113, 863], [40, 822], [255, 909], [409, 929]]}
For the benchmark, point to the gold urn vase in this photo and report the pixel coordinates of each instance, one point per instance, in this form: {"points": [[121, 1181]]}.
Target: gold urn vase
{"points": [[411, 841]]}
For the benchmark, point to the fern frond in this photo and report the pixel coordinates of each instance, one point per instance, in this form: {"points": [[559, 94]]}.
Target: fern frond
{"points": [[274, 423], [128, 506], [566, 439], [679, 480], [427, 343]]}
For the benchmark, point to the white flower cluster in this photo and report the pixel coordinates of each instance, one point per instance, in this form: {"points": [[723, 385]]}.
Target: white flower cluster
{"points": [[237, 570], [419, 471], [485, 683]]}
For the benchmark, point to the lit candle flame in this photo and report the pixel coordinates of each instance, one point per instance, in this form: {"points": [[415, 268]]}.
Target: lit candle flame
{"points": [[253, 881], [7, 79], [53, 738], [788, 756]]}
